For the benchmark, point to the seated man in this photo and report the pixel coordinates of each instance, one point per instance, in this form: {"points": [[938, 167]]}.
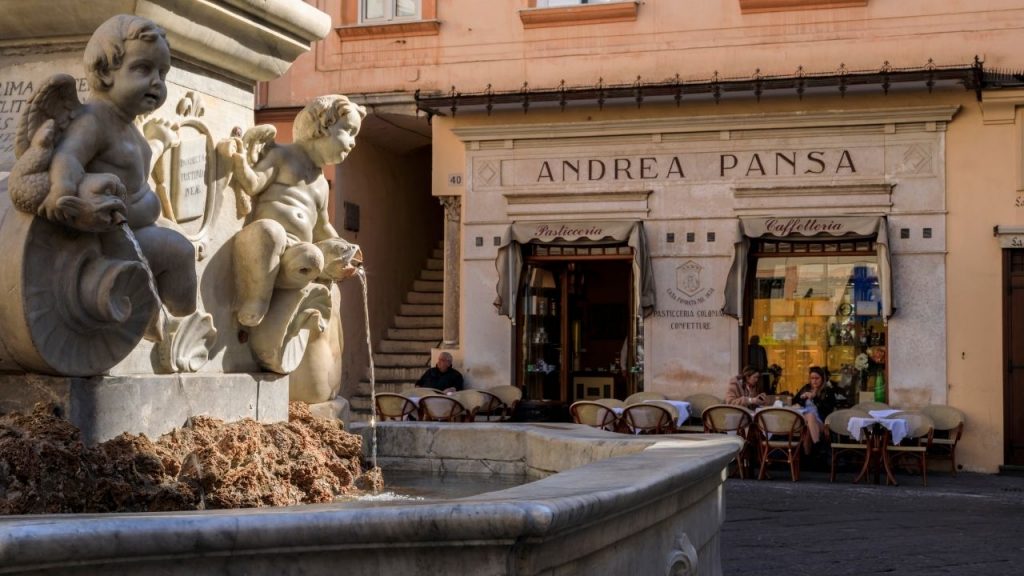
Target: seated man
{"points": [[442, 376]]}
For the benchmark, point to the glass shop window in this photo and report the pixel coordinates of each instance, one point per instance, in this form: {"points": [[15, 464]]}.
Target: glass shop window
{"points": [[818, 304]]}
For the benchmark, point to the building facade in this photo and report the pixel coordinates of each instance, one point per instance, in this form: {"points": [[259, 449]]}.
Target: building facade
{"points": [[637, 196]]}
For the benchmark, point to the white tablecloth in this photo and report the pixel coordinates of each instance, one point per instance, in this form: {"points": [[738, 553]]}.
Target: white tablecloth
{"points": [[897, 426], [883, 413]]}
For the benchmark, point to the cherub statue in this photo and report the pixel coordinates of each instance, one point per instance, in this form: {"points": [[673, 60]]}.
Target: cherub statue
{"points": [[289, 240], [86, 166]]}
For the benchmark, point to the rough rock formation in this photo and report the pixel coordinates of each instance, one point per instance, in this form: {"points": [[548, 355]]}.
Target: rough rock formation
{"points": [[45, 468]]}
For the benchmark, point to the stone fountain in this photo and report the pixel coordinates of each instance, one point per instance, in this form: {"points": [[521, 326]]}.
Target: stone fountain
{"points": [[155, 275], [129, 304]]}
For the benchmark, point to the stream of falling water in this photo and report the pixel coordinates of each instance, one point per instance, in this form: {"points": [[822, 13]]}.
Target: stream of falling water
{"points": [[373, 378], [177, 376]]}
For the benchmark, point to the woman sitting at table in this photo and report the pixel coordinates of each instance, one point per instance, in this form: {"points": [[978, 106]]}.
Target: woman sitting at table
{"points": [[818, 400], [745, 390]]}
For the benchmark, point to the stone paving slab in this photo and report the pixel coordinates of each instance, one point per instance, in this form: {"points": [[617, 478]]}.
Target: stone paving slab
{"points": [[969, 525]]}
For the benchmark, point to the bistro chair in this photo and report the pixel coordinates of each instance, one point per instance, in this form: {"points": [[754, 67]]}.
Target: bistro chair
{"points": [[698, 404], [421, 392], [841, 443], [593, 414], [647, 419], [780, 439], [728, 419], [868, 406], [472, 400], [394, 406], [949, 426], [642, 396], [493, 409], [441, 408], [914, 447], [509, 397], [671, 408], [611, 402]]}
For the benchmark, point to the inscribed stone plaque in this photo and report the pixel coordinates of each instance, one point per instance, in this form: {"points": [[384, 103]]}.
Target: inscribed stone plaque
{"points": [[188, 182], [18, 81]]}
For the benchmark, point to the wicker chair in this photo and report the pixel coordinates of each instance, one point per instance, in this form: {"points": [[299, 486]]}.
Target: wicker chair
{"points": [[728, 419], [611, 402], [441, 408], [780, 439], [868, 406], [394, 406], [501, 403], [472, 401], [421, 392], [642, 396], [949, 426], [840, 441], [915, 446], [698, 404], [647, 418], [593, 414]]}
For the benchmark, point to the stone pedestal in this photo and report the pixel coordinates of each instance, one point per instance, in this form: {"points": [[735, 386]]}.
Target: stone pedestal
{"points": [[104, 406]]}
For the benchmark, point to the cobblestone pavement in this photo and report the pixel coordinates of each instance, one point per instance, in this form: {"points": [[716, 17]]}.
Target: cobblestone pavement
{"points": [[969, 525]]}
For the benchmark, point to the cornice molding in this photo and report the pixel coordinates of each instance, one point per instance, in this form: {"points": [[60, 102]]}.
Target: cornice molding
{"points": [[933, 117]]}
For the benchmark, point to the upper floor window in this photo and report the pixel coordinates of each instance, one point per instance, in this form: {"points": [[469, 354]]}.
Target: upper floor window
{"points": [[376, 11]]}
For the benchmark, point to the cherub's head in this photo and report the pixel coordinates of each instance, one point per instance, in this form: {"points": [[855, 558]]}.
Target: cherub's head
{"points": [[332, 122], [126, 61]]}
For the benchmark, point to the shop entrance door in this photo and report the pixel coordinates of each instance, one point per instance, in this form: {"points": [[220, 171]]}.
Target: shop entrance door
{"points": [[1013, 346], [575, 339]]}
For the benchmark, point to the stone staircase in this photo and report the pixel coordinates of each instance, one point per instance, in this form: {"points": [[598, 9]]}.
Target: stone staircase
{"points": [[401, 357]]}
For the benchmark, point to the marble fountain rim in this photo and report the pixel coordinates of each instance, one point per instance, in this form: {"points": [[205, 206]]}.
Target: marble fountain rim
{"points": [[543, 508]]}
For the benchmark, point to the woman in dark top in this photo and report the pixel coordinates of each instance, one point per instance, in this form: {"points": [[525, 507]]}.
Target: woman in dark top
{"points": [[818, 400]]}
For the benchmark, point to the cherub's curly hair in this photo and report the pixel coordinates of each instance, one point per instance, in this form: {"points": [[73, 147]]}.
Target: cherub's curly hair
{"points": [[322, 113], [105, 50]]}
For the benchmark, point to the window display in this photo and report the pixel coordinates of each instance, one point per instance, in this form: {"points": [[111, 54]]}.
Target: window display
{"points": [[819, 304]]}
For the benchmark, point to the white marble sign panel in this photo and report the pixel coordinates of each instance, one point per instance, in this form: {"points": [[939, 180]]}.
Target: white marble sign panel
{"points": [[189, 176]]}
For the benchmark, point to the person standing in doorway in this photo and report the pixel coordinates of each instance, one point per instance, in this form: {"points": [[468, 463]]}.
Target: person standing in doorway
{"points": [[757, 358]]}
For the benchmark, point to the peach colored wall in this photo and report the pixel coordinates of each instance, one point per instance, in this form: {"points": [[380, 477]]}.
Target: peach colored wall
{"points": [[481, 43], [981, 193], [397, 217]]}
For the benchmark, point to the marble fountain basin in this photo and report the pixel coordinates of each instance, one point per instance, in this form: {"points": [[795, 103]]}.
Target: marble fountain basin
{"points": [[595, 503]]}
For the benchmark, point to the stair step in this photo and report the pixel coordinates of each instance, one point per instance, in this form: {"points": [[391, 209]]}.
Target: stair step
{"points": [[398, 374], [438, 253], [428, 285], [435, 264], [433, 321], [422, 309], [359, 403], [424, 297], [404, 346], [414, 334], [401, 360], [432, 275]]}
